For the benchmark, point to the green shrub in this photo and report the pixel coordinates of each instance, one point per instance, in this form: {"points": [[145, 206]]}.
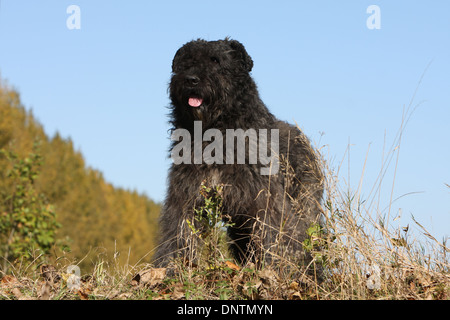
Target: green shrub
{"points": [[27, 221]]}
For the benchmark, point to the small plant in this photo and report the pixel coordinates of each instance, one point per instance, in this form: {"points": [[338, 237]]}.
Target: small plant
{"points": [[316, 242], [210, 226], [27, 221], [223, 290]]}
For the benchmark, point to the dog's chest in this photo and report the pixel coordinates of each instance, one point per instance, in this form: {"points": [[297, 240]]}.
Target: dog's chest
{"points": [[213, 177]]}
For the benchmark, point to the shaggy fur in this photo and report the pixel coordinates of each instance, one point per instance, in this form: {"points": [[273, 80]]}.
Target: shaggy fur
{"points": [[270, 213]]}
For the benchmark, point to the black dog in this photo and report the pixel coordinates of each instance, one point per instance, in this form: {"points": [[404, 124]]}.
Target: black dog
{"points": [[211, 88]]}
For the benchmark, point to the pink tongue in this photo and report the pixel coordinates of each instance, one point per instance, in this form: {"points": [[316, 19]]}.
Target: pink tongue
{"points": [[195, 102]]}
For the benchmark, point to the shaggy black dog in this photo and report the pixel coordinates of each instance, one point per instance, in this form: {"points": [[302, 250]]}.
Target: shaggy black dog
{"points": [[269, 204]]}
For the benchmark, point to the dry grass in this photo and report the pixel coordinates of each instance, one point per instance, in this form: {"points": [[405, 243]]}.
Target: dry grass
{"points": [[363, 255], [363, 251], [370, 258]]}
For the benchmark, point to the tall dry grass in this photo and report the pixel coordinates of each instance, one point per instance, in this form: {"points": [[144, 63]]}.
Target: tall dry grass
{"points": [[361, 250], [371, 255]]}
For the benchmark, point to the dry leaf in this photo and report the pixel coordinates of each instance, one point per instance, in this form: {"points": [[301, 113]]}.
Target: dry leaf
{"points": [[296, 296], [232, 266], [9, 281], [178, 292], [293, 291], [12, 285], [269, 277], [293, 286], [84, 295], [149, 277]]}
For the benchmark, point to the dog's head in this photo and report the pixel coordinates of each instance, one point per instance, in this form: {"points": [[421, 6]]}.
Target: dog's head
{"points": [[208, 76]]}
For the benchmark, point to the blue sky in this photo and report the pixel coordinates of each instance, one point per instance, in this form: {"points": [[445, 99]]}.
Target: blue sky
{"points": [[315, 62]]}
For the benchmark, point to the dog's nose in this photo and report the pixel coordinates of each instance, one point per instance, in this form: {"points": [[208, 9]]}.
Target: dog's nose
{"points": [[192, 80]]}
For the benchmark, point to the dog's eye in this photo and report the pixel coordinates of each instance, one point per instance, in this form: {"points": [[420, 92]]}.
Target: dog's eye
{"points": [[215, 60]]}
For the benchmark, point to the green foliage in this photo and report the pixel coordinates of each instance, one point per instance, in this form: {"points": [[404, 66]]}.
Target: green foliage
{"points": [[208, 217], [317, 243], [27, 220], [315, 237], [210, 225]]}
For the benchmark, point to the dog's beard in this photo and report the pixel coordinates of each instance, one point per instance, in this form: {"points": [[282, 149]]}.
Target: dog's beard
{"points": [[204, 102], [198, 114]]}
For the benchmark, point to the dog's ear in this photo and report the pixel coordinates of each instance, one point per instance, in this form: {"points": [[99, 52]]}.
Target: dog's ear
{"points": [[183, 53], [177, 56], [241, 54]]}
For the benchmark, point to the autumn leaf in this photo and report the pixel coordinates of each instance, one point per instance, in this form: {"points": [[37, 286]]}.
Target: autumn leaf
{"points": [[149, 277], [178, 292], [232, 266], [83, 294], [8, 281]]}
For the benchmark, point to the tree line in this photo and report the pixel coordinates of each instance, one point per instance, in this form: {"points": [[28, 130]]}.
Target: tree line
{"points": [[53, 204]]}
